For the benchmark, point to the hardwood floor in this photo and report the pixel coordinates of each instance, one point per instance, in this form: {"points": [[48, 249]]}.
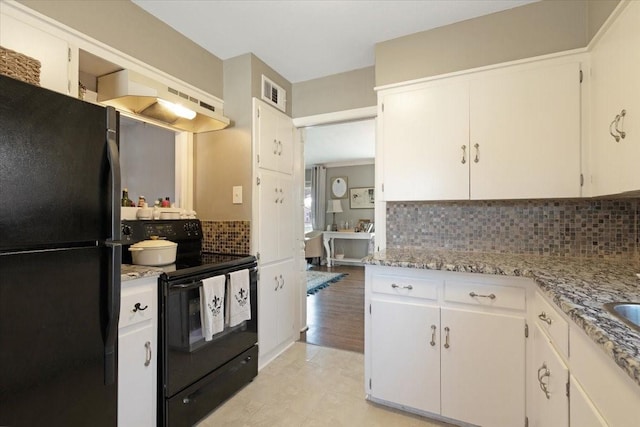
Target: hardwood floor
{"points": [[335, 315]]}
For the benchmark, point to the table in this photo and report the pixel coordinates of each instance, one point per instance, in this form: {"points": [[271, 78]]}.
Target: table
{"points": [[328, 238]]}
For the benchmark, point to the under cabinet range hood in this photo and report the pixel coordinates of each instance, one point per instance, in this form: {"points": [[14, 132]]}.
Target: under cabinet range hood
{"points": [[129, 91]]}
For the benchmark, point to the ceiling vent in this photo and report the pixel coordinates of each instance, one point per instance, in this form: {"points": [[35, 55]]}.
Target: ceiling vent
{"points": [[274, 94]]}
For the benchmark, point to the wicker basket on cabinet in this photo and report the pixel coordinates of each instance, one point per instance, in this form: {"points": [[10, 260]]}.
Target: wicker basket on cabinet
{"points": [[19, 66]]}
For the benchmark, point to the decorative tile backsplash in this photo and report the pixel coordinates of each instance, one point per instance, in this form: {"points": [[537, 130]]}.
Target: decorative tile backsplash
{"points": [[574, 227], [228, 237]]}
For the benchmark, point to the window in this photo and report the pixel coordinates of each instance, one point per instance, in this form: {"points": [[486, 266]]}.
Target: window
{"points": [[308, 225]]}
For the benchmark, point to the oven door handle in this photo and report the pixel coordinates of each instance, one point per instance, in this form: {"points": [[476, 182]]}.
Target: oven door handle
{"points": [[186, 286]]}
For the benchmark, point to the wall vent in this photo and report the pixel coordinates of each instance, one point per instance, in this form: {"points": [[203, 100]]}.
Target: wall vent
{"points": [[274, 94]]}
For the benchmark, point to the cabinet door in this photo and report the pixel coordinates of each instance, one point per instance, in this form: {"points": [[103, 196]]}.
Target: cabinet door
{"points": [[483, 367], [424, 131], [285, 144], [267, 138], [52, 52], [269, 196], [286, 221], [548, 372], [582, 412], [405, 366], [615, 85], [525, 132], [136, 376], [276, 296]]}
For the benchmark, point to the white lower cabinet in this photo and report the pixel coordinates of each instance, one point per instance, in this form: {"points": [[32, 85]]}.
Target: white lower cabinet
{"points": [[137, 350], [276, 298], [483, 367], [432, 348], [582, 411], [549, 376], [405, 360]]}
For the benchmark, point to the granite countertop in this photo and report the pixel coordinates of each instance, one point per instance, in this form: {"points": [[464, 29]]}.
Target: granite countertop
{"points": [[578, 286], [132, 272]]}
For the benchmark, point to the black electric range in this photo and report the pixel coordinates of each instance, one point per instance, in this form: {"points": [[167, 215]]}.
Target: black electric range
{"points": [[196, 375]]}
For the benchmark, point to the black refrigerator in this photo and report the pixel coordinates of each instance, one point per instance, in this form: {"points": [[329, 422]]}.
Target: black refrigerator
{"points": [[60, 259]]}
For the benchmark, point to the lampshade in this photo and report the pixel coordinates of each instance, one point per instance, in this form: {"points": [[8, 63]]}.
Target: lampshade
{"points": [[334, 205]]}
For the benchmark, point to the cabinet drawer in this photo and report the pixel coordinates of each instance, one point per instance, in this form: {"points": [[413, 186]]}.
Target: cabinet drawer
{"points": [[132, 313], [550, 321], [481, 294], [405, 286]]}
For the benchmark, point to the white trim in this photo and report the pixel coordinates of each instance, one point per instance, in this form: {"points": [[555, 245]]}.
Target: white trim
{"points": [[184, 170], [358, 162], [483, 68], [336, 117]]}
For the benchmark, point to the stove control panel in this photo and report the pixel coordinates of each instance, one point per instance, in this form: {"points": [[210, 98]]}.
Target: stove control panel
{"points": [[175, 230]]}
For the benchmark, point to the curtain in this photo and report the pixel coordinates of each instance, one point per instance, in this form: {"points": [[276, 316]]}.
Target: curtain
{"points": [[318, 196]]}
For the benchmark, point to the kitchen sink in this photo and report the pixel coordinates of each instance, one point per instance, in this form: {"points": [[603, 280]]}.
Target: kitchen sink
{"points": [[628, 312]]}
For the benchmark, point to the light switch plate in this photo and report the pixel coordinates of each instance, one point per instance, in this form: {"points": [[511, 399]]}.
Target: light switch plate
{"points": [[237, 194]]}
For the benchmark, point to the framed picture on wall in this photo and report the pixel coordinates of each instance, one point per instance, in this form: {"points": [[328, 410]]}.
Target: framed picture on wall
{"points": [[362, 198], [339, 187]]}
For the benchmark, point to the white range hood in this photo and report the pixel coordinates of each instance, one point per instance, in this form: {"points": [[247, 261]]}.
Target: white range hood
{"points": [[129, 91]]}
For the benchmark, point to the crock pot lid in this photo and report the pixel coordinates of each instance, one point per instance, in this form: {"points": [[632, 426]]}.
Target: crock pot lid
{"points": [[154, 244]]}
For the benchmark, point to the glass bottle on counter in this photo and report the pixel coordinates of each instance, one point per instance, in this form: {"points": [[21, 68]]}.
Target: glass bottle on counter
{"points": [[125, 198]]}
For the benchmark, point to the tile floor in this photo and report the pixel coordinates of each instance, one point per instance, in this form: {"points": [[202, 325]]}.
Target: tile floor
{"points": [[309, 386]]}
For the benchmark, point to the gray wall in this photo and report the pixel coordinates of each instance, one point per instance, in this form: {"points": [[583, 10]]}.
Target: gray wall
{"points": [[223, 159], [130, 29], [357, 176], [339, 92], [535, 29], [147, 159]]}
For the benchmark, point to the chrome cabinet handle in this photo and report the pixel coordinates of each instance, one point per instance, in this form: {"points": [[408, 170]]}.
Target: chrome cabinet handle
{"points": [[446, 337], [618, 117], [543, 316], [394, 286], [543, 373], [433, 335], [277, 283], [477, 147], [464, 154], [282, 283], [275, 146], [490, 296], [147, 347], [616, 137], [138, 308]]}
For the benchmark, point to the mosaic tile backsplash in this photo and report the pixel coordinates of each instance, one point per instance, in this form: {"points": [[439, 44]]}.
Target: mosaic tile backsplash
{"points": [[228, 237], [577, 228]]}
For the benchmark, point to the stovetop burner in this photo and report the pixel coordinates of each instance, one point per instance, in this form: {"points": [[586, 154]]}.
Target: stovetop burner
{"points": [[190, 258]]}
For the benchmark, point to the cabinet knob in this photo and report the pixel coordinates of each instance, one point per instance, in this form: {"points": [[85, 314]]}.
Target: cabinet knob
{"points": [[147, 347], [433, 335], [618, 118], [544, 372], [477, 147], [446, 337], [138, 307], [394, 286], [490, 296], [464, 154], [543, 316]]}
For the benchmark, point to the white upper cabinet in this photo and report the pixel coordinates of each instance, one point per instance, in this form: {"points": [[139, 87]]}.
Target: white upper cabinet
{"points": [[508, 133], [52, 52], [615, 106], [275, 139], [525, 132], [425, 134]]}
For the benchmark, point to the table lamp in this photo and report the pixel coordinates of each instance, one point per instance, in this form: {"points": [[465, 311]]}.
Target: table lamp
{"points": [[333, 206]]}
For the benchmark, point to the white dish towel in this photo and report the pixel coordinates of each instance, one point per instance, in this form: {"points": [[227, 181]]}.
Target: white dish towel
{"points": [[240, 298], [212, 306]]}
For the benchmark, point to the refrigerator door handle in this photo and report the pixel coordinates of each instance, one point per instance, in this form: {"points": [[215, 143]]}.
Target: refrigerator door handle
{"points": [[114, 163], [115, 253], [113, 313]]}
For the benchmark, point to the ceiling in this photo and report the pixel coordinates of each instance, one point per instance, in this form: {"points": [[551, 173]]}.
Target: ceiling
{"points": [[308, 39]]}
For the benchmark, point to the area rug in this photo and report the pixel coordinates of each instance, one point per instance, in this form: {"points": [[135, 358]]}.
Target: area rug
{"points": [[317, 280]]}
